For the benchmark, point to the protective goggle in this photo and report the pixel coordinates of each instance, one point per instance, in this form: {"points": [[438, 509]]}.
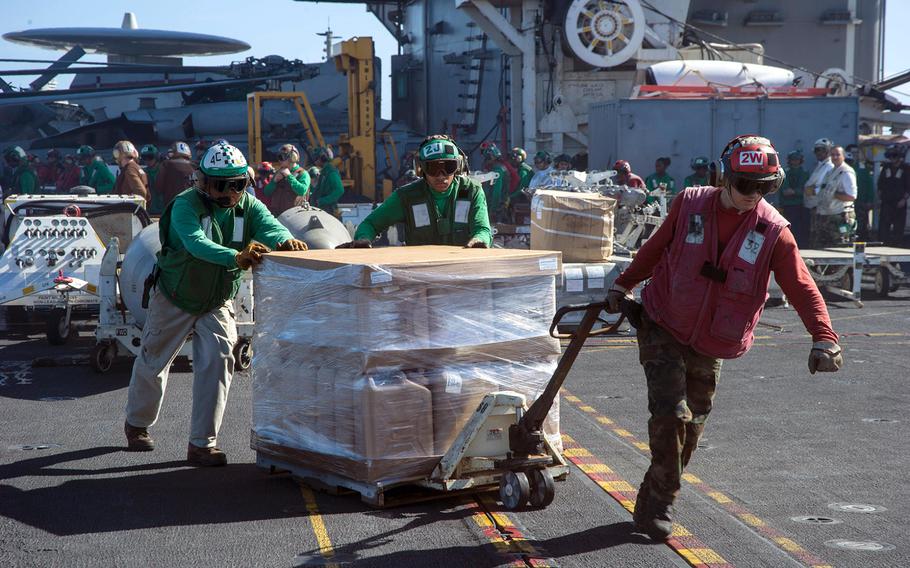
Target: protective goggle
{"points": [[442, 167], [236, 185], [745, 186], [283, 156]]}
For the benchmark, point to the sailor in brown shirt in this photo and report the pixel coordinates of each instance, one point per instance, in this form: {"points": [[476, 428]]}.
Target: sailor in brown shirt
{"points": [[132, 179]]}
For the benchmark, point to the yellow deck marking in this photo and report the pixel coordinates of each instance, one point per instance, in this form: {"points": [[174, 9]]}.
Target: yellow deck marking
{"points": [[707, 555], [595, 468], [691, 478], [604, 420], [719, 497], [623, 433], [587, 408], [576, 453], [322, 535], [751, 520], [787, 544], [615, 486]]}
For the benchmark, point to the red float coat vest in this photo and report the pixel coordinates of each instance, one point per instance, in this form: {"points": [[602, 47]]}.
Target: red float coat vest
{"points": [[713, 304]]}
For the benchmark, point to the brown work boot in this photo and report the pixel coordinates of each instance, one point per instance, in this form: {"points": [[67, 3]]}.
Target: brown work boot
{"points": [[138, 439], [205, 457], [656, 520]]}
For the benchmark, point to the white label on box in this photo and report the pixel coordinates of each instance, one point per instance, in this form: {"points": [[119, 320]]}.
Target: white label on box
{"points": [[453, 383], [537, 206], [574, 274], [380, 277], [575, 279], [596, 276], [548, 263], [421, 215], [462, 208]]}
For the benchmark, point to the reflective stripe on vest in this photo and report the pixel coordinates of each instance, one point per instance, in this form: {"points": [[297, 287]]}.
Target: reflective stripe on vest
{"points": [[713, 304]]}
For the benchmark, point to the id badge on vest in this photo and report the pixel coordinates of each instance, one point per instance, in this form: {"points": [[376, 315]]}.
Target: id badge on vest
{"points": [[462, 208], [207, 227], [751, 247], [695, 234], [238, 229], [421, 215]]}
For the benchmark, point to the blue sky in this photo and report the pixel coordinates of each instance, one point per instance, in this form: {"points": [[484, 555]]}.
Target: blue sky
{"points": [[286, 28]]}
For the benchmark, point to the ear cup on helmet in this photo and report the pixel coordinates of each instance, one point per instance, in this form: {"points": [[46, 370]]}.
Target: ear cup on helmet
{"points": [[716, 173]]}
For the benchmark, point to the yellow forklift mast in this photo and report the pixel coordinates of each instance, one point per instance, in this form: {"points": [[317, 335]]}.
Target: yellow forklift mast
{"points": [[254, 102]]}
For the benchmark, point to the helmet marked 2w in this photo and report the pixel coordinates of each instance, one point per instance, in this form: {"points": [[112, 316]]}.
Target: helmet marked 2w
{"points": [[750, 164]]}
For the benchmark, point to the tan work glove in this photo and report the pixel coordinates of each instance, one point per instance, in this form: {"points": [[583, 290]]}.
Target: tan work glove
{"points": [[615, 296], [476, 243], [251, 255], [292, 244], [825, 357]]}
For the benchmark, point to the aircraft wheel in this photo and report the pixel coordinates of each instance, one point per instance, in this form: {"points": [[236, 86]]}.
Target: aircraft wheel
{"points": [[243, 355], [103, 355], [58, 327]]}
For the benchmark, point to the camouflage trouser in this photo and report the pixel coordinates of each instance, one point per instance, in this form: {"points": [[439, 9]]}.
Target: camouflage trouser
{"points": [[833, 230], [681, 387]]}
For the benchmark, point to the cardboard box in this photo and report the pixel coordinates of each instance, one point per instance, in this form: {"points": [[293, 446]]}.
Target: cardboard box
{"points": [[580, 225], [367, 268]]}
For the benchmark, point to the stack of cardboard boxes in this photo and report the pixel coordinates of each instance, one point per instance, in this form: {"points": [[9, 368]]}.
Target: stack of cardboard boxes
{"points": [[369, 362]]}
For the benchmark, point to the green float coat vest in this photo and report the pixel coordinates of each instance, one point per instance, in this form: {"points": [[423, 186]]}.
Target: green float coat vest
{"points": [[193, 285], [442, 229]]}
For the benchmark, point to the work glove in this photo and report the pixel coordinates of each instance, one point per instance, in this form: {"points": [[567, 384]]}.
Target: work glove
{"points": [[825, 357], [476, 243], [251, 255], [356, 244], [292, 244], [615, 296]]}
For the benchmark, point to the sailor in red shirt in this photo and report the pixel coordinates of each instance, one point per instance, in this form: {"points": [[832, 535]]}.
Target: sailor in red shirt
{"points": [[709, 265], [624, 175]]}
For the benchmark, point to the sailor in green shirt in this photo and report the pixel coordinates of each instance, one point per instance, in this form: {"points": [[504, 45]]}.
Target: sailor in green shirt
{"points": [[290, 184], [865, 191], [24, 180], [699, 175], [660, 179], [149, 156], [329, 188], [444, 207], [525, 171], [95, 172], [791, 197], [499, 188], [209, 234]]}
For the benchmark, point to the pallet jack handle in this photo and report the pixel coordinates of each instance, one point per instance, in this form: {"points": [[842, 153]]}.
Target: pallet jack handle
{"points": [[526, 437]]}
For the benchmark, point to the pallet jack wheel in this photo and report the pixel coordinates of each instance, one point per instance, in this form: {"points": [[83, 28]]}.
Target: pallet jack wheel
{"points": [[58, 327], [514, 490], [243, 355], [882, 282], [543, 488], [103, 355]]}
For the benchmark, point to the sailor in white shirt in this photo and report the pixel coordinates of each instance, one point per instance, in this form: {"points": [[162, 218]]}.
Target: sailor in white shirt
{"points": [[835, 215]]}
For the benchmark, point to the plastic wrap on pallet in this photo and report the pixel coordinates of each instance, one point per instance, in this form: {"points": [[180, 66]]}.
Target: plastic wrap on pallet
{"points": [[370, 370]]}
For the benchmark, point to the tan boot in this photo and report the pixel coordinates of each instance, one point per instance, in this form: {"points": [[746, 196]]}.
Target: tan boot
{"points": [[205, 457], [138, 439]]}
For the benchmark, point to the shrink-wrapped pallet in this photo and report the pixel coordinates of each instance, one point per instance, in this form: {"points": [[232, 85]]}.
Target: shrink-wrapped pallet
{"points": [[369, 362]]}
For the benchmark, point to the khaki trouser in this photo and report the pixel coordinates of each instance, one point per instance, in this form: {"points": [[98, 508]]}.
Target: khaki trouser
{"points": [[681, 384], [166, 330]]}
